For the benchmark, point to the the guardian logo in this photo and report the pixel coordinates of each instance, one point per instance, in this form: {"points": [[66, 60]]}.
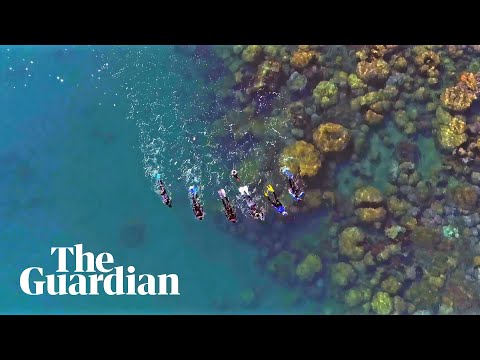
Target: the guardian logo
{"points": [[102, 277]]}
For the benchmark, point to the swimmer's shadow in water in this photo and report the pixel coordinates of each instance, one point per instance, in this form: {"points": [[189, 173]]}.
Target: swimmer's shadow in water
{"points": [[133, 235], [105, 137]]}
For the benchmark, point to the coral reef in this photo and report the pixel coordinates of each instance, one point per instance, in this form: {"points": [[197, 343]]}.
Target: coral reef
{"points": [[267, 76], [452, 135], [428, 62], [301, 58], [368, 194], [465, 197], [302, 156], [350, 243], [386, 141], [330, 137], [342, 274], [391, 285], [357, 296], [251, 53], [393, 231], [423, 294], [309, 267], [382, 303], [368, 202], [461, 96], [283, 266], [373, 71], [457, 98], [325, 94]]}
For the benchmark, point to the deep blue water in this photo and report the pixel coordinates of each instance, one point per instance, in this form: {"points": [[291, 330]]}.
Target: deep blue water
{"points": [[77, 128]]}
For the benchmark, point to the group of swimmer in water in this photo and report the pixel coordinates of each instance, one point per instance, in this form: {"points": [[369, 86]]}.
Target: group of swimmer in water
{"points": [[294, 189]]}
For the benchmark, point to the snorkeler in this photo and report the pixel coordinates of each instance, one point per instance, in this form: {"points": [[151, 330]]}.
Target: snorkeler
{"points": [[196, 206], [253, 210], [293, 189], [160, 189], [234, 174], [229, 211], [163, 193], [275, 202]]}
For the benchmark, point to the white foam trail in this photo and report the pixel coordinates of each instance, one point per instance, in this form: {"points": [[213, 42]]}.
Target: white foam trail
{"points": [[172, 117]]}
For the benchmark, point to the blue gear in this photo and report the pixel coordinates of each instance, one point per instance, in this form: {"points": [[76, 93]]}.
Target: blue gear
{"points": [[286, 172], [280, 209], [297, 198], [193, 189]]}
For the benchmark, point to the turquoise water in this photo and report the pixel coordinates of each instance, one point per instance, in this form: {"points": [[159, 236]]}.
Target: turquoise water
{"points": [[81, 128]]}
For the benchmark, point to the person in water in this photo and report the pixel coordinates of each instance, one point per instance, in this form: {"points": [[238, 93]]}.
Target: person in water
{"points": [[160, 189], [229, 211], [274, 201], [253, 209], [293, 188], [163, 193], [234, 174], [196, 205]]}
